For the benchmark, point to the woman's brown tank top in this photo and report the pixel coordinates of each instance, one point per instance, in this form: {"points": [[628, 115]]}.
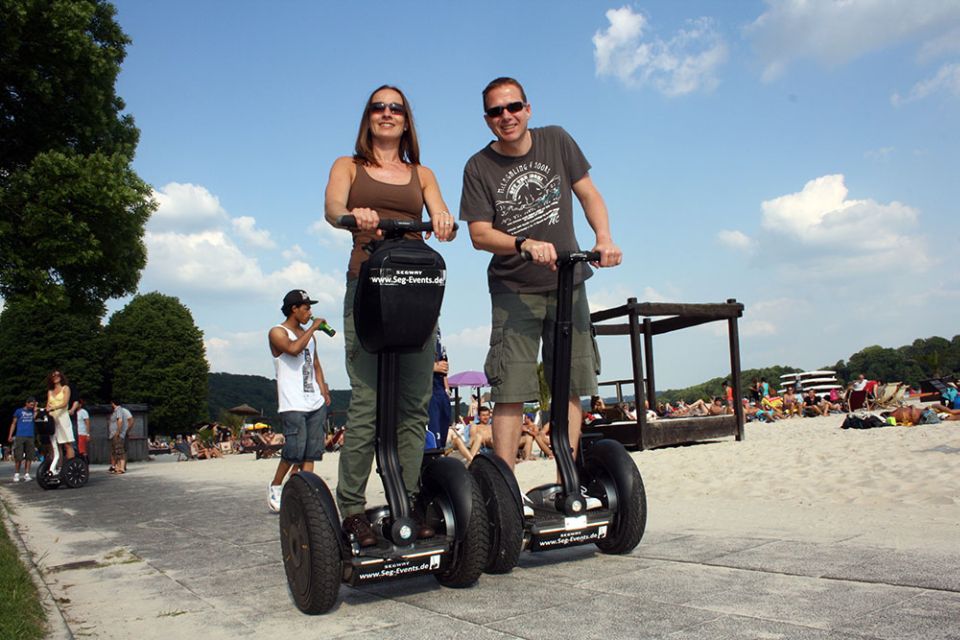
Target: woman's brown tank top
{"points": [[395, 201]]}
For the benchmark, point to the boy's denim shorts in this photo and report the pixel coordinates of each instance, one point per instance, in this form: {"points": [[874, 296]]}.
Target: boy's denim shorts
{"points": [[303, 435]]}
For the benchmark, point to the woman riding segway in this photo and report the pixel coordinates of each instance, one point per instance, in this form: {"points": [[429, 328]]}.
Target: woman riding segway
{"points": [[434, 521], [73, 470]]}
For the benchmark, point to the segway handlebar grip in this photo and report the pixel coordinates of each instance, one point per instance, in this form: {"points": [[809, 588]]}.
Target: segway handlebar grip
{"points": [[387, 224], [566, 257]]}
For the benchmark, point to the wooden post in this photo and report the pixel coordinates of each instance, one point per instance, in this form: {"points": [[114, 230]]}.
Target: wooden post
{"points": [[648, 360], [735, 371], [638, 391]]}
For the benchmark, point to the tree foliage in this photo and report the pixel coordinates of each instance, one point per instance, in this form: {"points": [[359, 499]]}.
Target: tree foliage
{"points": [[35, 338], [156, 356], [72, 211], [59, 61], [72, 227]]}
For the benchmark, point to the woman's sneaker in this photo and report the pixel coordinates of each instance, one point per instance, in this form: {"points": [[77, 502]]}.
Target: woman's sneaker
{"points": [[273, 497]]}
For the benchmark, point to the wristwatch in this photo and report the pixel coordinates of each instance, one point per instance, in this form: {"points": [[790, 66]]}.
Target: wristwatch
{"points": [[518, 242]]}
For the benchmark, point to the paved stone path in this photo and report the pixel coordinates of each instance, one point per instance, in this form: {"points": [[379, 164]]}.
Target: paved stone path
{"points": [[162, 555]]}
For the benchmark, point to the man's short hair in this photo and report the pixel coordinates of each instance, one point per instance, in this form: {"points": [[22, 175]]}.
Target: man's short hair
{"points": [[31, 399], [482, 409], [502, 81]]}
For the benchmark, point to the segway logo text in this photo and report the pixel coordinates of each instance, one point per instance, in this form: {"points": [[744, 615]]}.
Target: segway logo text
{"points": [[387, 277]]}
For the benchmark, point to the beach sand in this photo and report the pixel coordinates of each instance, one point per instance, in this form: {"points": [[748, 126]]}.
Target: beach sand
{"points": [[806, 477], [805, 480]]}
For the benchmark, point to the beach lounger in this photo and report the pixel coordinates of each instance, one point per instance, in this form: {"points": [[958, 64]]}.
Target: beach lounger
{"points": [[263, 448]]}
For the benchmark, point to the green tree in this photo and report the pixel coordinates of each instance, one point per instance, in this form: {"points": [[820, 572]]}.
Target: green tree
{"points": [[37, 337], [67, 191], [156, 356], [59, 61]]}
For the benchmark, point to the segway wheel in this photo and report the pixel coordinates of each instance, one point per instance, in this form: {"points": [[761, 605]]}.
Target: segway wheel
{"points": [[45, 479], [631, 515], [505, 522], [311, 552], [469, 555], [75, 473]]}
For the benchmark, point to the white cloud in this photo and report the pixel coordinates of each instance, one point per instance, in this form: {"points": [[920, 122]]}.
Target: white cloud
{"points": [[827, 233], [879, 155], [685, 63], [246, 228], [185, 208], [192, 249], [295, 252], [833, 32], [946, 80], [329, 236], [734, 239]]}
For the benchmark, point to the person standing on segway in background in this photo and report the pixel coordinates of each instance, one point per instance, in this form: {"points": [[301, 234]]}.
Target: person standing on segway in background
{"points": [[302, 392], [58, 401], [383, 178], [517, 198]]}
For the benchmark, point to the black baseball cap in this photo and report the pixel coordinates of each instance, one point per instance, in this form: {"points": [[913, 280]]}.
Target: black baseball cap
{"points": [[297, 297]]}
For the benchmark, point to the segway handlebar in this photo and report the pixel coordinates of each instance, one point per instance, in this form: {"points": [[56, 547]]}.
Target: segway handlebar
{"points": [[568, 257], [395, 226]]}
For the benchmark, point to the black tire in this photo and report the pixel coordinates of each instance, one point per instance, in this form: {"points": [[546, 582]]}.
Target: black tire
{"points": [[505, 522], [310, 549], [44, 479], [75, 473], [630, 520], [469, 555]]}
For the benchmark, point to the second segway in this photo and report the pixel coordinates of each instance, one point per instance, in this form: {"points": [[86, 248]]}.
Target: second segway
{"points": [[600, 498], [73, 473], [397, 305]]}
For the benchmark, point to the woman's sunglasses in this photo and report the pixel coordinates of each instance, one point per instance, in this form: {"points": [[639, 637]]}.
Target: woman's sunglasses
{"points": [[513, 107], [395, 107]]}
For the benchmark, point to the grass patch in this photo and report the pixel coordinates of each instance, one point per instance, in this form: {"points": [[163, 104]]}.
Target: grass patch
{"points": [[21, 614]]}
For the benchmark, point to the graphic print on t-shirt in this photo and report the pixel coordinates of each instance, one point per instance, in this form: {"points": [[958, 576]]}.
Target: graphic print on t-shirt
{"points": [[528, 196], [307, 370]]}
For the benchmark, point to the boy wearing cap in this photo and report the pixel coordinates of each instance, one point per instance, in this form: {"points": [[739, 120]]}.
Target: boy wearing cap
{"points": [[304, 397], [22, 435]]}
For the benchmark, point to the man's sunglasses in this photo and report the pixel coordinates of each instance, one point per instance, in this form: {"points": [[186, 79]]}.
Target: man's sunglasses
{"points": [[513, 107], [395, 107]]}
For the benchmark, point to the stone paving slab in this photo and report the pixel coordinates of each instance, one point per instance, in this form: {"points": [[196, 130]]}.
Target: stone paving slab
{"points": [[182, 560]]}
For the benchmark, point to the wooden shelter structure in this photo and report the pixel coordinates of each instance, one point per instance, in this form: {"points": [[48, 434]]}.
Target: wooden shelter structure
{"points": [[644, 320]]}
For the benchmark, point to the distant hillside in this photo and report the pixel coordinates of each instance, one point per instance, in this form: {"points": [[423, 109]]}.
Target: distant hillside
{"points": [[228, 390]]}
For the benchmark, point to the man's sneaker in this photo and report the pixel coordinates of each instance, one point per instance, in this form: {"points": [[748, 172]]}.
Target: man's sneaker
{"points": [[16, 477], [592, 503], [273, 497], [527, 506], [26, 477], [358, 526]]}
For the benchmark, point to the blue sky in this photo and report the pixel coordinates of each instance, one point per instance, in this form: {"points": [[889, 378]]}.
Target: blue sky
{"points": [[800, 156]]}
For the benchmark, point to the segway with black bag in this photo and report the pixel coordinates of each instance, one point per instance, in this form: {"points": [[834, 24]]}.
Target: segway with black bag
{"points": [[399, 293], [73, 473], [600, 498]]}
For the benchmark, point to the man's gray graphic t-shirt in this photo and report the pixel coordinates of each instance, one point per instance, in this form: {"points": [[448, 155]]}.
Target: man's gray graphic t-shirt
{"points": [[529, 195]]}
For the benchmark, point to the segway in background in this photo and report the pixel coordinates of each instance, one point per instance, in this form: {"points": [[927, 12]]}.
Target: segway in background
{"points": [[600, 498], [73, 473], [399, 293]]}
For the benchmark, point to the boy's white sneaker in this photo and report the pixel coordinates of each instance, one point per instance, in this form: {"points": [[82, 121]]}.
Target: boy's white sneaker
{"points": [[26, 477], [273, 497], [16, 477]]}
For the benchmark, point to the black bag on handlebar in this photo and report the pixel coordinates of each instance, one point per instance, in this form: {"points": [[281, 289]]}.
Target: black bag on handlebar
{"points": [[399, 293]]}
